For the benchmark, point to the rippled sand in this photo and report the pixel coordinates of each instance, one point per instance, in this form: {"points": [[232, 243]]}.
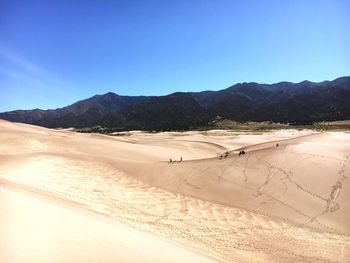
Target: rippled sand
{"points": [[289, 203]]}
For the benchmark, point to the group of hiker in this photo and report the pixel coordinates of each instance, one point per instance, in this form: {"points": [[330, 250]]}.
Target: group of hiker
{"points": [[174, 161], [242, 152], [224, 156]]}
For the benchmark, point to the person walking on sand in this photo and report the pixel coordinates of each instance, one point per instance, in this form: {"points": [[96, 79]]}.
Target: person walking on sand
{"points": [[180, 159], [241, 152], [170, 161]]}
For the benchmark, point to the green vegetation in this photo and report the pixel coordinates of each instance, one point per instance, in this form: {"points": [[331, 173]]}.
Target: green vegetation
{"points": [[229, 127]]}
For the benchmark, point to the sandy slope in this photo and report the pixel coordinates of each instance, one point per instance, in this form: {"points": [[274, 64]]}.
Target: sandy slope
{"points": [[273, 204], [37, 231]]}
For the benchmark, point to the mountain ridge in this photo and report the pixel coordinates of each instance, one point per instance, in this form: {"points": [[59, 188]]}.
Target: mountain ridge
{"points": [[300, 103]]}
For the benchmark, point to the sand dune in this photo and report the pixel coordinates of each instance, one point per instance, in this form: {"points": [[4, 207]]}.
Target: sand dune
{"points": [[273, 204]]}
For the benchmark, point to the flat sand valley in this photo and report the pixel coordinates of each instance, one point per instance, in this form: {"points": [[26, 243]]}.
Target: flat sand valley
{"points": [[73, 197]]}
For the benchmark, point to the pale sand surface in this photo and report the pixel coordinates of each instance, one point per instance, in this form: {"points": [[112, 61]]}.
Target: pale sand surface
{"points": [[289, 203], [32, 230]]}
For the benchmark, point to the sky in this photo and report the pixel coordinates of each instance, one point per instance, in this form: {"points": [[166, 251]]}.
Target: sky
{"points": [[53, 53]]}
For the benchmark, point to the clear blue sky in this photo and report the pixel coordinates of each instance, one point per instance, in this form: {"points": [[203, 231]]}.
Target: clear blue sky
{"points": [[53, 53]]}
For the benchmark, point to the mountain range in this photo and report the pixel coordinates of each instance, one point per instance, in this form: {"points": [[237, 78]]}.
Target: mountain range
{"points": [[297, 103]]}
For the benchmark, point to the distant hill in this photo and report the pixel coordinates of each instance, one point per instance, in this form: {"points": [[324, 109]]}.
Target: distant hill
{"points": [[176, 111], [298, 103], [83, 113]]}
